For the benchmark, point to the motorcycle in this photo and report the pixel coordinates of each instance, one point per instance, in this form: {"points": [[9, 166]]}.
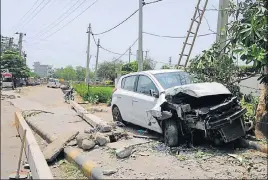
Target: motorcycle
{"points": [[69, 96]]}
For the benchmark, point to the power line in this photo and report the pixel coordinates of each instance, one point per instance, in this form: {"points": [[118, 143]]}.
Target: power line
{"points": [[118, 24], [47, 27], [125, 19], [37, 12], [64, 17], [69, 21], [28, 11], [177, 37], [154, 2], [126, 50]]}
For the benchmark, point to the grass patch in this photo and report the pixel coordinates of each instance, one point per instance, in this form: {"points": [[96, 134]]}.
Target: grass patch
{"points": [[181, 157], [94, 94], [71, 171]]}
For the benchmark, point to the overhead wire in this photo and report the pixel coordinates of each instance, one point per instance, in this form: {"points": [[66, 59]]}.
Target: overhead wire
{"points": [[65, 16], [47, 27], [127, 50], [118, 24], [44, 5], [69, 21], [176, 37], [122, 22], [21, 20]]}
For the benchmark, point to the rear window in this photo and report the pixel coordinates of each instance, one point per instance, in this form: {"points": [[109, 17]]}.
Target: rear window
{"points": [[128, 83]]}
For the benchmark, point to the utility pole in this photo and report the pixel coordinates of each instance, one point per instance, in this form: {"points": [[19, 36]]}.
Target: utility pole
{"points": [[222, 22], [140, 54], [88, 54], [20, 42], [10, 43], [170, 59], [97, 60], [129, 55], [146, 54]]}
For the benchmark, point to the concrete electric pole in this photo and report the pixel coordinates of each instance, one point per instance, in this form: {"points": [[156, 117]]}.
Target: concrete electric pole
{"points": [[129, 55], [20, 42], [146, 54], [222, 22], [97, 60], [140, 54], [88, 54], [10, 43], [170, 61]]}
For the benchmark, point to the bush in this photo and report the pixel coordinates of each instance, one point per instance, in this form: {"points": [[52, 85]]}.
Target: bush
{"points": [[94, 94]]}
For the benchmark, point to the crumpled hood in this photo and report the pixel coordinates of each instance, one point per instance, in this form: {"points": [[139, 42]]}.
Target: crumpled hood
{"points": [[199, 89]]}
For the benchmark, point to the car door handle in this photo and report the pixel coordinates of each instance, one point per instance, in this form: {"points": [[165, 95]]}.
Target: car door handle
{"points": [[134, 100], [119, 97]]}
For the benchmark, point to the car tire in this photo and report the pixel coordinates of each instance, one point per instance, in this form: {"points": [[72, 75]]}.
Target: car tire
{"points": [[116, 114], [171, 133]]}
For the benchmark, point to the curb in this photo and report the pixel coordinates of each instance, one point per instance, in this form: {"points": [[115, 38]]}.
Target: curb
{"points": [[87, 166], [38, 165], [72, 155]]}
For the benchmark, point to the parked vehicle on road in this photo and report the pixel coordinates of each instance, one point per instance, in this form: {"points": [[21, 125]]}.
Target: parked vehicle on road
{"points": [[168, 102], [53, 83], [7, 80], [68, 96]]}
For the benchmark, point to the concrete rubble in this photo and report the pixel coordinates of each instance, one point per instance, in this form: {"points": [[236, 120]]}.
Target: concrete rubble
{"points": [[124, 152], [88, 144], [101, 139]]}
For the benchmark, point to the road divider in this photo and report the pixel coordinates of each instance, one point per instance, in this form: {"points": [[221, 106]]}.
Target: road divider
{"points": [[93, 120], [38, 165], [88, 167]]}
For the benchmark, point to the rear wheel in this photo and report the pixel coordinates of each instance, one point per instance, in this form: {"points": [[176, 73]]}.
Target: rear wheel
{"points": [[171, 133], [116, 114]]}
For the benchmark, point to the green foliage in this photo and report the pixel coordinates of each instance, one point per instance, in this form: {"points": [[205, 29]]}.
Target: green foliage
{"points": [[148, 64], [108, 70], [165, 67], [212, 66], [248, 33], [72, 74], [15, 64], [94, 94], [250, 103], [33, 74]]}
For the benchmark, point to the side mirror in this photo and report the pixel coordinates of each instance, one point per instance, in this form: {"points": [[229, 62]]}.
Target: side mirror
{"points": [[153, 93]]}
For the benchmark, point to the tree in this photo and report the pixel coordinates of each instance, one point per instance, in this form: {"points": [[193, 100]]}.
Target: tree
{"points": [[15, 64], [148, 64], [165, 67], [80, 73], [108, 70]]}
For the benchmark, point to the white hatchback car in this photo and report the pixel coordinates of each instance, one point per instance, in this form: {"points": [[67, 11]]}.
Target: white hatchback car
{"points": [[137, 93]]}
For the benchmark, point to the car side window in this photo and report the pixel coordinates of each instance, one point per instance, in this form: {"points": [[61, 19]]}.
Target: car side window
{"points": [[145, 84], [128, 83]]}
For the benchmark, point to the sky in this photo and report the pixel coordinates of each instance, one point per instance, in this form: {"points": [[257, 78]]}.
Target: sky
{"points": [[60, 47]]}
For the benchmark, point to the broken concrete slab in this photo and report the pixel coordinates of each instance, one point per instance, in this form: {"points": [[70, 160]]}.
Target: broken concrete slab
{"points": [[101, 139], [88, 144], [81, 136], [97, 122], [54, 148], [108, 172], [72, 143], [124, 152], [79, 109], [126, 143]]}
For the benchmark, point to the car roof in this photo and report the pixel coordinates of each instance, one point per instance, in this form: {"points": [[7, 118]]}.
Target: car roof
{"points": [[155, 71]]}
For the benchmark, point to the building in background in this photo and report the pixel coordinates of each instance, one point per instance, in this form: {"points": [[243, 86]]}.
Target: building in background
{"points": [[42, 70]]}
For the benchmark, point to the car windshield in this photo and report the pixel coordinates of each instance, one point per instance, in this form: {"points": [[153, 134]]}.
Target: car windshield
{"points": [[171, 79]]}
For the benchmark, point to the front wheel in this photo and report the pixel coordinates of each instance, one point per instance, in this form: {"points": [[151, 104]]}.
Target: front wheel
{"points": [[171, 133], [116, 114]]}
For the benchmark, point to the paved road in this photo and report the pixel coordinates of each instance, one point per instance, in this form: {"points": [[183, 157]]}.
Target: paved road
{"points": [[10, 144], [51, 100], [251, 85]]}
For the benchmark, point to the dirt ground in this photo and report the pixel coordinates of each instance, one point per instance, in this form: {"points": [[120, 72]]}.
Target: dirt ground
{"points": [[152, 160], [155, 161]]}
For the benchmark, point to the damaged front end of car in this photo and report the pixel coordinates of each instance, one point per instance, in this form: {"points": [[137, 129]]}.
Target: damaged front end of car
{"points": [[209, 108]]}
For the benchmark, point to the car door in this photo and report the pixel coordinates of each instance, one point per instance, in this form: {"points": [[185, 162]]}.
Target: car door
{"points": [[124, 97], [142, 102]]}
